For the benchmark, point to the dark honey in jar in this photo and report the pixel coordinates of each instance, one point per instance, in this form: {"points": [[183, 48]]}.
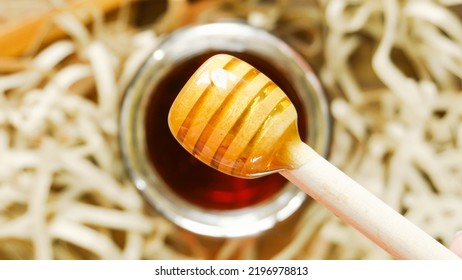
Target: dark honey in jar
{"points": [[189, 178]]}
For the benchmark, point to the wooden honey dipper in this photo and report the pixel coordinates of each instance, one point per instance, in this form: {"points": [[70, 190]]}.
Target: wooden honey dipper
{"points": [[235, 119]]}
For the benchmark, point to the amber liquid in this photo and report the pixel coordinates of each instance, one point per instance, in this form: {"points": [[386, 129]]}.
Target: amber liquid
{"points": [[183, 173]]}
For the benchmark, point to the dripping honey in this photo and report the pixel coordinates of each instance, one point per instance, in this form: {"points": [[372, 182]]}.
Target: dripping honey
{"points": [[183, 173]]}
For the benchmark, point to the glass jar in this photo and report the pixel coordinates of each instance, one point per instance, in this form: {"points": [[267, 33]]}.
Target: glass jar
{"points": [[184, 190]]}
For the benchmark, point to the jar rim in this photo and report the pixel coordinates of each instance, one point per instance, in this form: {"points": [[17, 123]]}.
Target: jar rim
{"points": [[189, 42]]}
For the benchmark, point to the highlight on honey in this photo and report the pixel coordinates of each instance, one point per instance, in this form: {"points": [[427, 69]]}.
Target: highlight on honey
{"points": [[235, 119]]}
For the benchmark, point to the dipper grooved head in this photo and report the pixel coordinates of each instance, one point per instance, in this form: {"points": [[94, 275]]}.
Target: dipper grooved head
{"points": [[235, 119]]}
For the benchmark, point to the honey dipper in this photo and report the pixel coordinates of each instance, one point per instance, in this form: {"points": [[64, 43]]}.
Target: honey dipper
{"points": [[235, 119]]}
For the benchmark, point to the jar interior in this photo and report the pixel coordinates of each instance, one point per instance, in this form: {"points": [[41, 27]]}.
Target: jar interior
{"points": [[186, 176]]}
